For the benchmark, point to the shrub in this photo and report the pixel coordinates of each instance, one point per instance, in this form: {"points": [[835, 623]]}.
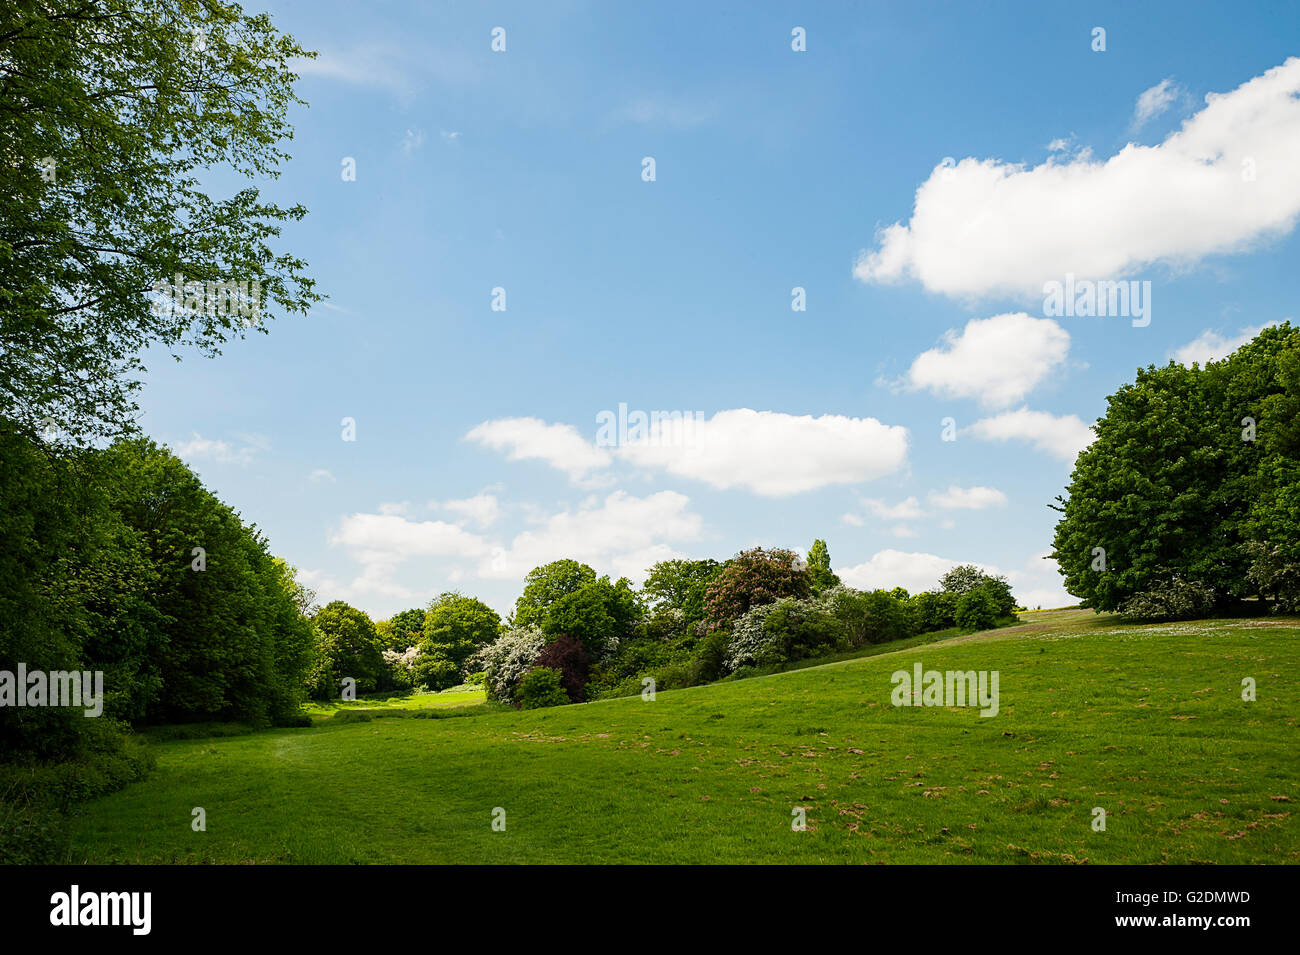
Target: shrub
{"points": [[435, 672], [567, 656], [876, 616], [931, 611], [505, 661], [540, 687], [1170, 599], [977, 610]]}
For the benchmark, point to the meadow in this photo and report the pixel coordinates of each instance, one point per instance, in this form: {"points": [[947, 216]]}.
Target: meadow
{"points": [[1144, 721]]}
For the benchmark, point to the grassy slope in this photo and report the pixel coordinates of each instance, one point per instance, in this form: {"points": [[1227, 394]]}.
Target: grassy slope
{"points": [[1147, 722]]}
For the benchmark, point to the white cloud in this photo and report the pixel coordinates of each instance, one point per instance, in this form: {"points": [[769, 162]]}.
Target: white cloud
{"points": [[1062, 436], [775, 454], [1211, 346], [968, 498], [902, 530], [996, 360], [621, 535], [382, 542], [904, 510], [320, 474], [481, 509], [1154, 101], [395, 507], [559, 445], [767, 452], [853, 520], [988, 227], [888, 569], [199, 448]]}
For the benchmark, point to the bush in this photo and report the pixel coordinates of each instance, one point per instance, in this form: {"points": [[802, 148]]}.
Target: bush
{"points": [[932, 611], [506, 660], [775, 633], [754, 578], [877, 616], [540, 687], [567, 656], [1170, 599], [435, 672], [977, 610]]}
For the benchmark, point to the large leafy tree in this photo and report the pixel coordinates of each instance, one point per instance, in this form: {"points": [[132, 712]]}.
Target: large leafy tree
{"points": [[546, 584], [117, 121], [455, 626], [1191, 479], [347, 647]]}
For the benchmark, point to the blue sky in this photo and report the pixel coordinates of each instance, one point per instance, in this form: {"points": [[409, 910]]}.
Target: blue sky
{"points": [[920, 171]]}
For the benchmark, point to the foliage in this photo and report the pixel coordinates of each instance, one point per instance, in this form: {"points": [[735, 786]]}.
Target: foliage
{"points": [[456, 626], [541, 686], [680, 586], [751, 579], [114, 119], [348, 648], [820, 576], [505, 660], [1171, 599], [598, 613], [976, 610], [545, 585], [568, 657], [1190, 466]]}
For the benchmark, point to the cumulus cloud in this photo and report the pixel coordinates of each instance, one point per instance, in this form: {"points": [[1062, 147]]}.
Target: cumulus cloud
{"points": [[767, 452], [481, 509], [320, 474], [621, 535], [1062, 436], [968, 498], [559, 445], [904, 510], [996, 360], [1211, 346], [774, 454], [888, 569], [1224, 181]]}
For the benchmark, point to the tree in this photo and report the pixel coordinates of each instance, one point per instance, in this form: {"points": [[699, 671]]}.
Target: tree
{"points": [[680, 585], [752, 578], [112, 118], [349, 647], [456, 626], [599, 613], [546, 584], [404, 629], [1191, 479], [820, 576]]}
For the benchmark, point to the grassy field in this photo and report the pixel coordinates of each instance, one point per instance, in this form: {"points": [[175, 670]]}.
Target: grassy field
{"points": [[454, 697], [1147, 722]]}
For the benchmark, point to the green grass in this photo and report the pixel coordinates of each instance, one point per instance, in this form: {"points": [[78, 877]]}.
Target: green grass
{"points": [[1145, 721], [455, 697]]}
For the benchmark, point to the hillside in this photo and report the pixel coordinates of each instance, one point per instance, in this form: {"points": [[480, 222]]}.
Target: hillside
{"points": [[1147, 722]]}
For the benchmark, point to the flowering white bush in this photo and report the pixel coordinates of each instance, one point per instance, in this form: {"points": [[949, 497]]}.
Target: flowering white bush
{"points": [[405, 660], [750, 642], [505, 660]]}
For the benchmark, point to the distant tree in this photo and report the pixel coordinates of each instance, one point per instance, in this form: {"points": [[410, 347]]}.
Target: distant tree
{"points": [[820, 575], [407, 628], [753, 578], [455, 626], [680, 585], [546, 584], [349, 646], [962, 579], [599, 613]]}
